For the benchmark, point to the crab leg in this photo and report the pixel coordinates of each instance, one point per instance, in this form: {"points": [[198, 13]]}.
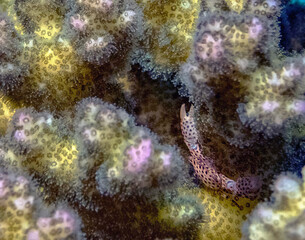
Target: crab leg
{"points": [[203, 166]]}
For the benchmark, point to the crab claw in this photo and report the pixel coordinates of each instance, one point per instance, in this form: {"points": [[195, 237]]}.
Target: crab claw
{"points": [[188, 128], [182, 112]]}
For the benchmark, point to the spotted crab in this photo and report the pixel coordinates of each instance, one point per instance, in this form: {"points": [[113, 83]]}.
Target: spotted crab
{"points": [[205, 169]]}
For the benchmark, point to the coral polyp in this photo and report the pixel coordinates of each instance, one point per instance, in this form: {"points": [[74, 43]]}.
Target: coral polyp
{"points": [[151, 119], [24, 216]]}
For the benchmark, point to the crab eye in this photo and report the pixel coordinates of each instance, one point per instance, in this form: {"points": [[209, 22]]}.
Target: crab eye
{"points": [[231, 184]]}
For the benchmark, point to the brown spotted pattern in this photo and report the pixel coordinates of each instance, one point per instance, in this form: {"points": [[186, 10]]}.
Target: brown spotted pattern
{"points": [[204, 167]]}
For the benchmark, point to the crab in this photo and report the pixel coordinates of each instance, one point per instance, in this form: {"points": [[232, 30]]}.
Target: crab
{"points": [[206, 171]]}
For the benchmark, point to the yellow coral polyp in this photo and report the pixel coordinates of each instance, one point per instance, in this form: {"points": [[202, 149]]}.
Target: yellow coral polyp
{"points": [[6, 112], [284, 217], [65, 154], [225, 216], [102, 5], [175, 213], [4, 4], [47, 18], [57, 71], [241, 42], [12, 14], [49, 25], [52, 154], [21, 216], [57, 58], [179, 18], [16, 216], [48, 31], [11, 158], [235, 5], [59, 160]]}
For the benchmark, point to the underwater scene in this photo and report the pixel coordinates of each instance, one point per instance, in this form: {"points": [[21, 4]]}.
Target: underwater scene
{"points": [[152, 120]]}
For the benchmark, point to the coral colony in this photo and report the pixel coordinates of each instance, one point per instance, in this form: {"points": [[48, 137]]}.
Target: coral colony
{"points": [[152, 119]]}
